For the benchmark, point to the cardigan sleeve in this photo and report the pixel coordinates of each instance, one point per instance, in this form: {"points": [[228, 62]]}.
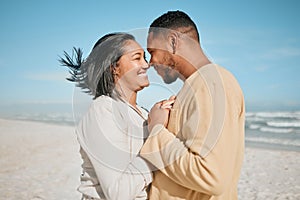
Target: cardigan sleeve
{"points": [[121, 174]]}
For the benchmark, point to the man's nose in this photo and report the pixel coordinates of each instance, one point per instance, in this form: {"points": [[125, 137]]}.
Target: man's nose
{"points": [[151, 62]]}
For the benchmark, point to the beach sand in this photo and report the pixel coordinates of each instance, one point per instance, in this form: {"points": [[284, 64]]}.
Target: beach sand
{"points": [[41, 161], [38, 161], [270, 175]]}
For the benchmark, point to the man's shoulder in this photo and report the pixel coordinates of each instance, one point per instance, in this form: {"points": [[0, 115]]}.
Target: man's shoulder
{"points": [[213, 68]]}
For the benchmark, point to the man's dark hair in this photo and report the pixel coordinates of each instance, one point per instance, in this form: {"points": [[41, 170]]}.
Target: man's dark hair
{"points": [[175, 20]]}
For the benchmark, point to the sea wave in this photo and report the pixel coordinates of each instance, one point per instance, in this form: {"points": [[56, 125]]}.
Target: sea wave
{"points": [[254, 126], [290, 115], [284, 124], [274, 122], [276, 130], [255, 119]]}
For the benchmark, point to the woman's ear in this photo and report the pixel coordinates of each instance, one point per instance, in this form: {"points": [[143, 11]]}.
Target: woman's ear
{"points": [[173, 41], [116, 72]]}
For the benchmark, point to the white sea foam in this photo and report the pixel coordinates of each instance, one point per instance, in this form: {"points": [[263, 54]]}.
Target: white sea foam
{"points": [[284, 124], [276, 130], [254, 126], [249, 114], [255, 119], [295, 115], [274, 122]]}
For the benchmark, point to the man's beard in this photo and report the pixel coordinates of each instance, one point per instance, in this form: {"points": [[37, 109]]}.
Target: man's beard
{"points": [[169, 77]]}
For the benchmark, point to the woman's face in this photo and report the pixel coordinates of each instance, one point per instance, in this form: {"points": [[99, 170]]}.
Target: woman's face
{"points": [[132, 68]]}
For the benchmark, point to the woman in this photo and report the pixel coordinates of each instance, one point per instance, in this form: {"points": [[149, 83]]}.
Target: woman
{"points": [[112, 133]]}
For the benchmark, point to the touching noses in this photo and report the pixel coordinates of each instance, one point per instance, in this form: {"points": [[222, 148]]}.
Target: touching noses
{"points": [[145, 65], [151, 62]]}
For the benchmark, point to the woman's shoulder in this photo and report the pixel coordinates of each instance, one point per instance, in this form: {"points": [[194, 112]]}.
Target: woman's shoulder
{"points": [[107, 103], [103, 99], [102, 103]]}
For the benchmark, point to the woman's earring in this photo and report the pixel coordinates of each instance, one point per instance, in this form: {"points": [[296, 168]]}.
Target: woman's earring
{"points": [[115, 75]]}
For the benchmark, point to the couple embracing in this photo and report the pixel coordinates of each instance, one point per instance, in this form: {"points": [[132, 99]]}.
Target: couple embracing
{"points": [[189, 146]]}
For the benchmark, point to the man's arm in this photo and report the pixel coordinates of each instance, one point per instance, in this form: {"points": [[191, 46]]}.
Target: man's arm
{"points": [[179, 163]]}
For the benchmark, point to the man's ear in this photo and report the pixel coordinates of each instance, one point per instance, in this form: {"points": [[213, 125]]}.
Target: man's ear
{"points": [[173, 41]]}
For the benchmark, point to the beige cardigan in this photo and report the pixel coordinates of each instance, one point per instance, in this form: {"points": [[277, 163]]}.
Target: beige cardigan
{"points": [[200, 154], [110, 136]]}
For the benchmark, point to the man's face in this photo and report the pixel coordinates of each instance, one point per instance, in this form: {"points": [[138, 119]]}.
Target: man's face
{"points": [[161, 59]]}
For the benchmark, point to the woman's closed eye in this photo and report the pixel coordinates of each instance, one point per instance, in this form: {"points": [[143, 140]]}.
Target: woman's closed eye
{"points": [[137, 58]]}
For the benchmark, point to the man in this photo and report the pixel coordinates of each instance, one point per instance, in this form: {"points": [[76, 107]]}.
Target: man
{"points": [[197, 145]]}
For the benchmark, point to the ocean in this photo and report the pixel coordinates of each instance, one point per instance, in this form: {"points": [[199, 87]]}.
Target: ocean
{"points": [[276, 130], [273, 130]]}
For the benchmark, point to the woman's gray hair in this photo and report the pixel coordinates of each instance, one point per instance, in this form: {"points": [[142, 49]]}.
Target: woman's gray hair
{"points": [[95, 73]]}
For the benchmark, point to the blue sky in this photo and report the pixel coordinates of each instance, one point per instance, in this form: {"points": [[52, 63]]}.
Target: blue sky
{"points": [[258, 41]]}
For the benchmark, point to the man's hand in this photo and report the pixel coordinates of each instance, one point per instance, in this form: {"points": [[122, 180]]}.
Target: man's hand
{"points": [[159, 113]]}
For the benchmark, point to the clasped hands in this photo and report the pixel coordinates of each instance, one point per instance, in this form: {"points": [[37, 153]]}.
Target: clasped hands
{"points": [[159, 113]]}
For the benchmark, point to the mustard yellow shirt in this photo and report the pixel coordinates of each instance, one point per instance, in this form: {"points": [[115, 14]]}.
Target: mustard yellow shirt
{"points": [[199, 155]]}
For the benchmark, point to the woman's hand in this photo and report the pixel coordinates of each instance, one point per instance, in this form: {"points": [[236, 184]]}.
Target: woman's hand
{"points": [[159, 113]]}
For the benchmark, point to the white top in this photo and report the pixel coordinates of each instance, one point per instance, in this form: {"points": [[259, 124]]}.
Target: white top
{"points": [[111, 135]]}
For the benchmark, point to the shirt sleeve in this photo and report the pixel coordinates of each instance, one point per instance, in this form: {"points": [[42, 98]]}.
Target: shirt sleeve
{"points": [[170, 155], [121, 174]]}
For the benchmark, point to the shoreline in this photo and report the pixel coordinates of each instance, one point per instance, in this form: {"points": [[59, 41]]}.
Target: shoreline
{"points": [[248, 143], [41, 161], [272, 147], [59, 123]]}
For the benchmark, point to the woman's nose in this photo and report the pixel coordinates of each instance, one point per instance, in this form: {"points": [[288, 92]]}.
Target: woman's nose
{"points": [[145, 65]]}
